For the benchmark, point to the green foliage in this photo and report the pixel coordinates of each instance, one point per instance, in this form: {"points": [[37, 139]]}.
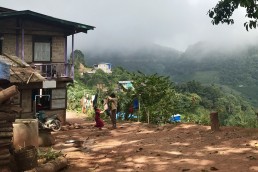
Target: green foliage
{"points": [[199, 116], [99, 77], [156, 95], [242, 120], [224, 9], [228, 105], [49, 154], [75, 92], [160, 98], [78, 58]]}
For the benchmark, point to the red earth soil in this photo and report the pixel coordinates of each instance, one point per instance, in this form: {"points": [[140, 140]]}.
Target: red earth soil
{"points": [[136, 146]]}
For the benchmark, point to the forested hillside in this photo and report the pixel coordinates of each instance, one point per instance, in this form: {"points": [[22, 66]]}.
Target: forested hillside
{"points": [[234, 67], [160, 97]]}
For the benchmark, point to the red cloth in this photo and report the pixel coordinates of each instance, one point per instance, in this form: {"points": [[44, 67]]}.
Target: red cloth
{"points": [[130, 110], [99, 122]]}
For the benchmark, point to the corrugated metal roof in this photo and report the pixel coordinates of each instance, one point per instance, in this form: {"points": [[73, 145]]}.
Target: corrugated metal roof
{"points": [[27, 14]]}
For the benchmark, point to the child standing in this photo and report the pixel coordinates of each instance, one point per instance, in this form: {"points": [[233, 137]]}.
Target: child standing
{"points": [[99, 122], [112, 98]]}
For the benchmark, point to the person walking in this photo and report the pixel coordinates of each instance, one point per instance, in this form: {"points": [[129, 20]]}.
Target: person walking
{"points": [[113, 100]]}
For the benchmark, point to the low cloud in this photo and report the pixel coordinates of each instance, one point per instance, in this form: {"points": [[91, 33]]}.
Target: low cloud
{"points": [[133, 23]]}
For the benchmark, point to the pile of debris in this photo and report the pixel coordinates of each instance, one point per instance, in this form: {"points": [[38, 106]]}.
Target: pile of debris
{"points": [[8, 114]]}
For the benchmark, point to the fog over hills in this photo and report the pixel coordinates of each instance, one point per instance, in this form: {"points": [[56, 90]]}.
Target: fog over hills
{"points": [[205, 62], [150, 53], [121, 57]]}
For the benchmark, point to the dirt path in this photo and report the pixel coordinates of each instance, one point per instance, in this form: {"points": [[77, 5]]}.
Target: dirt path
{"points": [[140, 147]]}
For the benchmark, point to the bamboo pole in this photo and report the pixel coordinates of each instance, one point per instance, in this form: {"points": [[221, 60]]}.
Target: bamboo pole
{"points": [[30, 77], [7, 93]]}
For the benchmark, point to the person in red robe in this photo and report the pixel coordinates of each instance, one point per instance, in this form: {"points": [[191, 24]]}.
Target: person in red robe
{"points": [[99, 122]]}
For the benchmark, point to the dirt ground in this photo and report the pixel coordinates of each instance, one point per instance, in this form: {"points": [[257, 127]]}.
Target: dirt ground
{"points": [[135, 146]]}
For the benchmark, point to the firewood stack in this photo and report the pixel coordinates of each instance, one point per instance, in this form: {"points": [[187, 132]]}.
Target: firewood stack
{"points": [[8, 114]]}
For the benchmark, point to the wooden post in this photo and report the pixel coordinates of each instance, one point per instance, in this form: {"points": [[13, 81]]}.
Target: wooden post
{"points": [[214, 117]]}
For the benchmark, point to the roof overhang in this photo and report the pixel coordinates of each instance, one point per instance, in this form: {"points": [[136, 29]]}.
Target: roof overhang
{"points": [[72, 27]]}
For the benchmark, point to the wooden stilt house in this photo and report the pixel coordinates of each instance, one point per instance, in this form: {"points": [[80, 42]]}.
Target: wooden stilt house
{"points": [[40, 41]]}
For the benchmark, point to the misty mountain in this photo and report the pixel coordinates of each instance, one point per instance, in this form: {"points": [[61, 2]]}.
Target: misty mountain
{"points": [[203, 50], [234, 67], [148, 59], [205, 62]]}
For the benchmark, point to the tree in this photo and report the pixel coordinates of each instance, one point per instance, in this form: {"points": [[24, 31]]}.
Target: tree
{"points": [[156, 95], [224, 10], [78, 58]]}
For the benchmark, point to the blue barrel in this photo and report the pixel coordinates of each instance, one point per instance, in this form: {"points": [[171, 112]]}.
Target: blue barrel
{"points": [[4, 71]]}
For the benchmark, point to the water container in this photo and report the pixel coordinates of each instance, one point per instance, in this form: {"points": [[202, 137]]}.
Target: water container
{"points": [[175, 118], [25, 133]]}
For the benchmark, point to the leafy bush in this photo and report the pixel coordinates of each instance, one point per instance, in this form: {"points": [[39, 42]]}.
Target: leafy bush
{"points": [[242, 120], [49, 154]]}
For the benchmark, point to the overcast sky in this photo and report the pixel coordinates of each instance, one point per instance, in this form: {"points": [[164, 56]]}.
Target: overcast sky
{"points": [[131, 23]]}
